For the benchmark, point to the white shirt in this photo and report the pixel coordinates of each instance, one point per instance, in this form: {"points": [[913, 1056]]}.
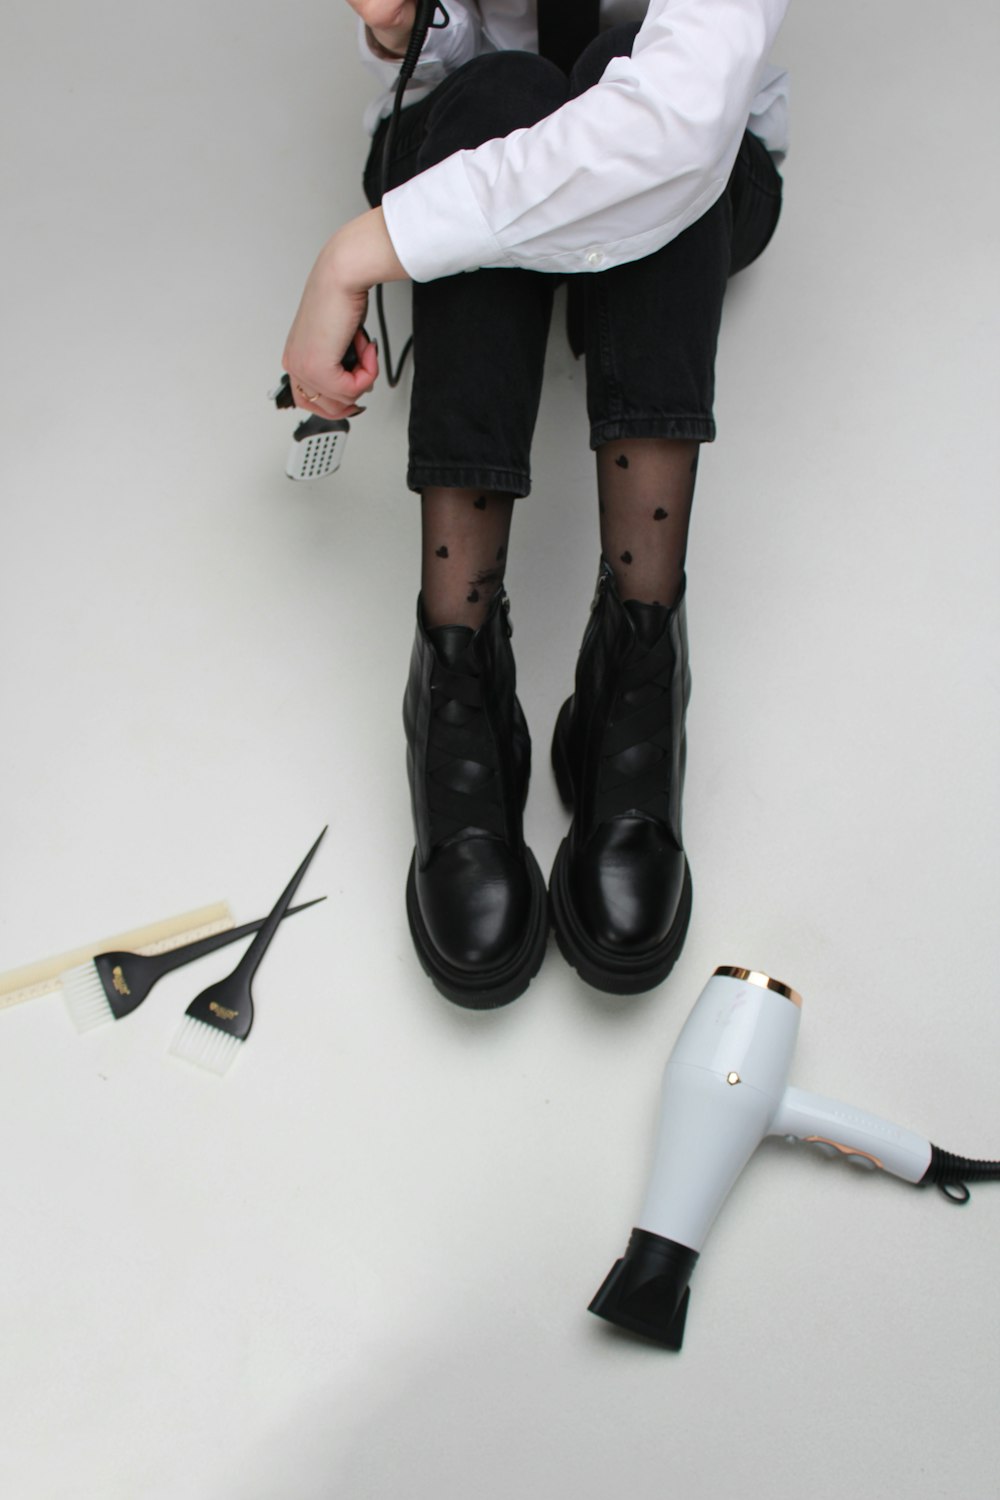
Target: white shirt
{"points": [[614, 174]]}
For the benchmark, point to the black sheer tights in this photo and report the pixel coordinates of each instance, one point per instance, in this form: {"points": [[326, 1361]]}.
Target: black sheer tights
{"points": [[645, 488], [465, 536]]}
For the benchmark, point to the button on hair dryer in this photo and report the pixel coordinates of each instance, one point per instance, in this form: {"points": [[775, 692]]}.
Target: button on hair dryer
{"points": [[725, 1088]]}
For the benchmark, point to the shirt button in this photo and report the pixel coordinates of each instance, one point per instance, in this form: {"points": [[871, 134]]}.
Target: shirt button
{"points": [[595, 258]]}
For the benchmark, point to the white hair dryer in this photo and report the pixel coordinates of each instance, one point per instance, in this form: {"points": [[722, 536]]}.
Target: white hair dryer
{"points": [[725, 1088]]}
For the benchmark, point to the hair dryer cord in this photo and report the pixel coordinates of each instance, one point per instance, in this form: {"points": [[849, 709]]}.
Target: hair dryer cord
{"points": [[423, 22], [949, 1173]]}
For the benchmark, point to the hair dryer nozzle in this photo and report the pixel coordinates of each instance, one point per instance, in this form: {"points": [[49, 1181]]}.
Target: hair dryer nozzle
{"points": [[647, 1290]]}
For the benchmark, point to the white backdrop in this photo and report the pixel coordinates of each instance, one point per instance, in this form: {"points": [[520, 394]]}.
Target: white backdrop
{"points": [[360, 1264]]}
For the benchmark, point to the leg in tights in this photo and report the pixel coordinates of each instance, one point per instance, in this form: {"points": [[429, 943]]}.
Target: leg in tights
{"points": [[645, 487], [465, 534], [651, 331], [476, 900], [478, 348], [620, 888]]}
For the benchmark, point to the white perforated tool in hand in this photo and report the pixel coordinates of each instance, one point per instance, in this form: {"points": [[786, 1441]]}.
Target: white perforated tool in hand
{"points": [[317, 445]]}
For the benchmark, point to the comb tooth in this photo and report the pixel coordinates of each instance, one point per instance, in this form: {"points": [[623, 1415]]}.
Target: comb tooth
{"points": [[205, 1046], [85, 999]]}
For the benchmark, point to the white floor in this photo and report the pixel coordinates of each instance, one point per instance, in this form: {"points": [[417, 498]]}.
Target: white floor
{"points": [[360, 1264]]}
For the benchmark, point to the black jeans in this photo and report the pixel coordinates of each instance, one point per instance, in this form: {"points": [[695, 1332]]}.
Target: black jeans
{"points": [[649, 328]]}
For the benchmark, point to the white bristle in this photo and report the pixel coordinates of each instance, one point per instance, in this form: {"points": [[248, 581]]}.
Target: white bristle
{"points": [[85, 999], [207, 1046]]}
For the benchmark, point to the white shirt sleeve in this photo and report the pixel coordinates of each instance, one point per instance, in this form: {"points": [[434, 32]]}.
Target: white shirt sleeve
{"points": [[614, 174]]}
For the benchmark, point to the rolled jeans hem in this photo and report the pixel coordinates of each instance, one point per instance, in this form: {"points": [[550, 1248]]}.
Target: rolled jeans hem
{"points": [[516, 482], [686, 429]]}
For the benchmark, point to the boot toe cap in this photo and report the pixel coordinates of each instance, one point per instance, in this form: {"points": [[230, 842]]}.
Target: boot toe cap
{"points": [[627, 885], [475, 902]]}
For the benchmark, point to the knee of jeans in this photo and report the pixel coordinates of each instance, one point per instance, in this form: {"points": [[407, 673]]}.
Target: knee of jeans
{"points": [[617, 41], [500, 92]]}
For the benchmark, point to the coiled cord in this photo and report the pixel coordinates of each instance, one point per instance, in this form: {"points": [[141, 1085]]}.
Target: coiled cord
{"points": [[951, 1174], [423, 22]]}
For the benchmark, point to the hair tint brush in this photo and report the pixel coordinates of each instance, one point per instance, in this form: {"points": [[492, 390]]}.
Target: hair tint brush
{"points": [[113, 985], [218, 1021]]}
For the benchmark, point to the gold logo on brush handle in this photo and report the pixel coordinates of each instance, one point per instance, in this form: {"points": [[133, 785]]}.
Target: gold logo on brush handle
{"points": [[222, 1012], [118, 980]]}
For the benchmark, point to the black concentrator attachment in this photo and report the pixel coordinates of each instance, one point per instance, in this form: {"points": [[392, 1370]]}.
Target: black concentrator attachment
{"points": [[647, 1290]]}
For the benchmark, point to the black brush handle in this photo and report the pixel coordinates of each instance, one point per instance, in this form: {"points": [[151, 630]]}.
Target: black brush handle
{"points": [[228, 1005], [248, 964], [174, 958], [127, 978]]}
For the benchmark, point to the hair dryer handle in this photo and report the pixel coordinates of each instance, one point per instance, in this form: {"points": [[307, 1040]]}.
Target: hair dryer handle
{"points": [[863, 1138]]}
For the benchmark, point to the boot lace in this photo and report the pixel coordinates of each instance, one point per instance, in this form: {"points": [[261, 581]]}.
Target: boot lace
{"points": [[462, 773], [639, 738]]}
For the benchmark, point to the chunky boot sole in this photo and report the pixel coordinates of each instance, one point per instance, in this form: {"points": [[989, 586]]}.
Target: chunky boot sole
{"points": [[489, 988], [616, 973]]}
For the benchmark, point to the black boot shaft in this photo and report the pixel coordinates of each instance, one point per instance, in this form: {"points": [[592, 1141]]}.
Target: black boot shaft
{"points": [[620, 891], [615, 648], [475, 897], [485, 657]]}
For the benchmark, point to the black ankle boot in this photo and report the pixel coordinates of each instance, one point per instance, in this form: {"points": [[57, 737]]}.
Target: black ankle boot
{"points": [[475, 896], [621, 888]]}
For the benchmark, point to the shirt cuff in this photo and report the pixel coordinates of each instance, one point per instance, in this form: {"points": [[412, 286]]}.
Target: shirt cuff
{"points": [[436, 225]]}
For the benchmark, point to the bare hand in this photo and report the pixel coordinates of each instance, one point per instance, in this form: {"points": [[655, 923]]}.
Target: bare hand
{"points": [[330, 315], [327, 324], [390, 22]]}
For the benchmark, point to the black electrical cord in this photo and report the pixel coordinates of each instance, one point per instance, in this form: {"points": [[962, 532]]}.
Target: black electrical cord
{"points": [[948, 1172], [424, 21]]}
